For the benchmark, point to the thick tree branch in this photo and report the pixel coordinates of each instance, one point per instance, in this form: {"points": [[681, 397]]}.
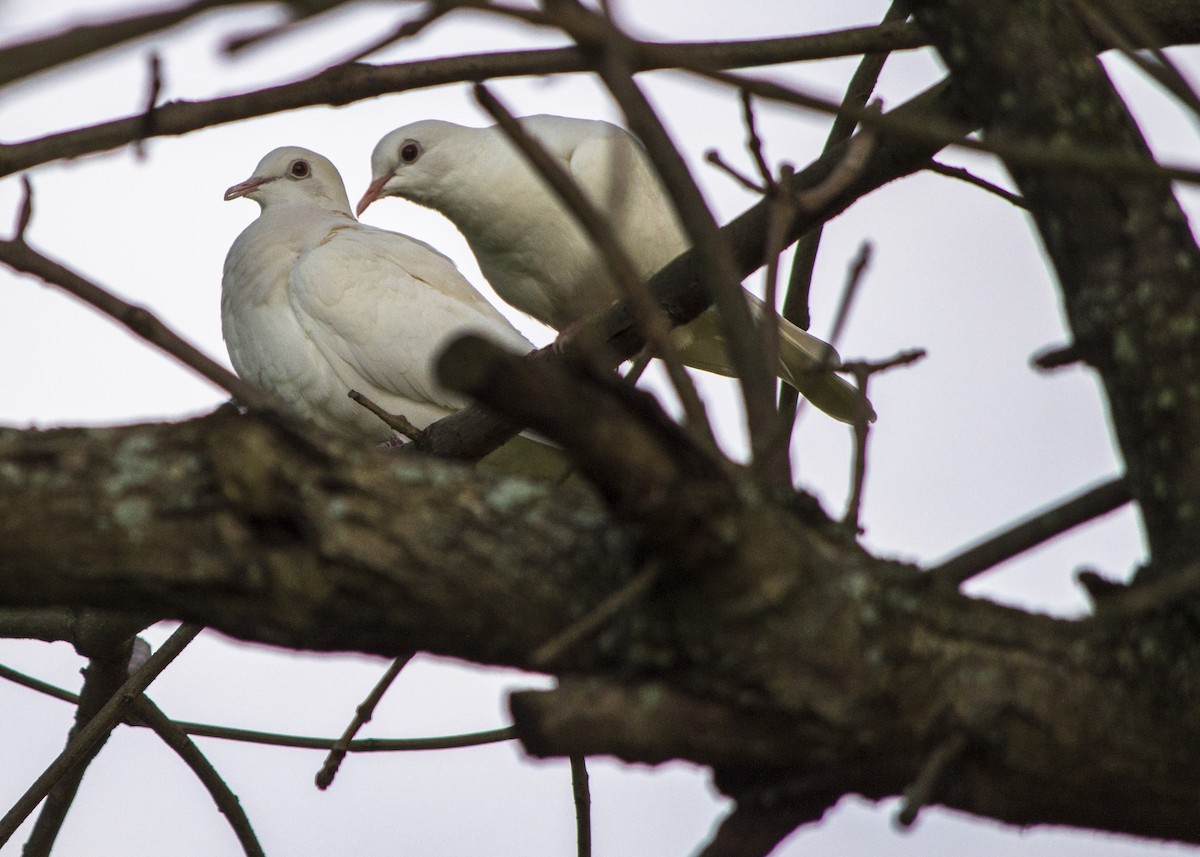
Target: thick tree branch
{"points": [[799, 667], [1125, 257]]}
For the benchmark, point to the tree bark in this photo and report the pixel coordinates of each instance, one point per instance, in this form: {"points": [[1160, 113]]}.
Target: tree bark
{"points": [[799, 667], [1126, 260]]}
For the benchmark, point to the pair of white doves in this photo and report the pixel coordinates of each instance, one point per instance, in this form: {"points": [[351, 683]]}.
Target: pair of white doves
{"points": [[314, 303]]}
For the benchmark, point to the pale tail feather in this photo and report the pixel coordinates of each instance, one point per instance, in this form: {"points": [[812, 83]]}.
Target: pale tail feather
{"points": [[805, 362], [528, 457]]}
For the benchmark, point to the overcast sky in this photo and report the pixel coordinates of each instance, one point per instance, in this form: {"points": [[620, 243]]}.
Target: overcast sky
{"points": [[966, 441]]}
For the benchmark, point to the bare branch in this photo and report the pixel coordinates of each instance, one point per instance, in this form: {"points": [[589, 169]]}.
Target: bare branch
{"points": [[1084, 158], [396, 422], [39, 54], [21, 257], [272, 739], [1123, 252], [362, 716], [99, 726], [714, 158], [931, 779], [26, 211], [718, 274], [549, 653], [147, 130], [224, 798], [582, 798], [1121, 25], [604, 237], [1033, 531], [858, 93], [969, 177], [347, 83], [108, 668], [754, 144]]}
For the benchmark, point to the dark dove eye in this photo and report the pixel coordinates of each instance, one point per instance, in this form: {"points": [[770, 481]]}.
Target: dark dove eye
{"points": [[299, 169], [410, 150]]}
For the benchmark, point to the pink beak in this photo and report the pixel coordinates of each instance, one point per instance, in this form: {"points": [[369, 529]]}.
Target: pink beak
{"points": [[243, 188], [374, 192]]}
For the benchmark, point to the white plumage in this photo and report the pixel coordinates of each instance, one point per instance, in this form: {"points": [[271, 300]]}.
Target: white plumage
{"points": [[314, 303], [538, 259]]}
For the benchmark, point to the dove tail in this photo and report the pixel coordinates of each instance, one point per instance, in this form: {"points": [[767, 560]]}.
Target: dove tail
{"points": [[805, 362]]}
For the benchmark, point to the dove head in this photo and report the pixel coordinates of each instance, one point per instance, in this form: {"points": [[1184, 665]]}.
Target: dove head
{"points": [[291, 175], [414, 160]]}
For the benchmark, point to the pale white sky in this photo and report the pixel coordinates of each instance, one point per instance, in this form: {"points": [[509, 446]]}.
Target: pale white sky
{"points": [[966, 441]]}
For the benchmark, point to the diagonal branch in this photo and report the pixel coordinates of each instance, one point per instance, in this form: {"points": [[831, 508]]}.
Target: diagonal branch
{"points": [[20, 60], [1121, 246], [100, 725], [1033, 531], [604, 236], [347, 83], [141, 322]]}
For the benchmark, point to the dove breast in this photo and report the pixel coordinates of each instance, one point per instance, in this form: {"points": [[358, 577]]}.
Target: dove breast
{"points": [[315, 304]]}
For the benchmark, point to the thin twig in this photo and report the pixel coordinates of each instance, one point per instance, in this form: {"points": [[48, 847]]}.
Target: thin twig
{"points": [[100, 725], [107, 669], [1057, 358], [300, 13], [596, 618], [226, 801], [854, 277], [714, 158], [845, 172], [615, 67], [604, 237], [152, 93], [581, 795], [16, 677], [773, 462], [930, 778], [271, 739], [862, 430], [963, 174], [396, 422], [406, 30], [21, 257], [1032, 531], [362, 716], [754, 143], [862, 372], [1021, 152], [858, 93], [45, 52], [1127, 33], [26, 212]]}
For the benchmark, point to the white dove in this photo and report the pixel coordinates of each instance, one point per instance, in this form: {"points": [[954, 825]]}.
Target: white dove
{"points": [[314, 304], [540, 260]]}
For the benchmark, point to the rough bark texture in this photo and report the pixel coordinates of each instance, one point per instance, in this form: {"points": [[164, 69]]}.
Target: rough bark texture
{"points": [[1124, 254], [799, 667]]}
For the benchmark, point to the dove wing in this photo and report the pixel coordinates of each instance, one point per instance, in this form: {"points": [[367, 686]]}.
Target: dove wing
{"points": [[380, 306]]}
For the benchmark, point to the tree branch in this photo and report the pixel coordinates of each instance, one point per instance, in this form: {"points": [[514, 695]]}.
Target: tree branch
{"points": [[798, 666], [347, 83], [1121, 246]]}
